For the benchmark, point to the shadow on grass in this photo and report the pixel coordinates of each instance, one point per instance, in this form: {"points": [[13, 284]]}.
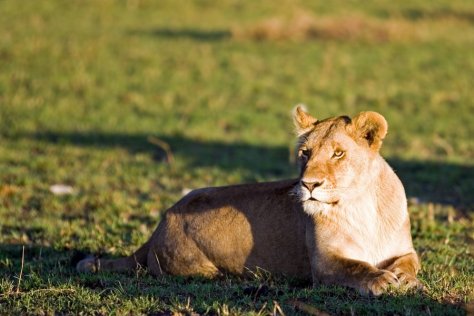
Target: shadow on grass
{"points": [[185, 33], [48, 271], [427, 181], [438, 14], [263, 161]]}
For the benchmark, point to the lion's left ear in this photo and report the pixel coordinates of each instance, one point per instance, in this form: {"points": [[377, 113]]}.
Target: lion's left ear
{"points": [[304, 122], [370, 127]]}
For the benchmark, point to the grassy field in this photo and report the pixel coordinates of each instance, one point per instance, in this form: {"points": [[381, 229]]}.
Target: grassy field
{"points": [[92, 94]]}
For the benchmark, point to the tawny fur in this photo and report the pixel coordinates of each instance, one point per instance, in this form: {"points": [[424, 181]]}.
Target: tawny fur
{"points": [[343, 221]]}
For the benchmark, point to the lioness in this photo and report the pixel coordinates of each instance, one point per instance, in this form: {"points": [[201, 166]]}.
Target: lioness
{"points": [[343, 221]]}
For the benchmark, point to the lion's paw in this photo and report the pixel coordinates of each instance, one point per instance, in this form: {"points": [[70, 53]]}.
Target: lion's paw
{"points": [[87, 265], [380, 281], [407, 280]]}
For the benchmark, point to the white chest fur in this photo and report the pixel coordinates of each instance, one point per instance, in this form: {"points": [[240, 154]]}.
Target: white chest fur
{"points": [[358, 230]]}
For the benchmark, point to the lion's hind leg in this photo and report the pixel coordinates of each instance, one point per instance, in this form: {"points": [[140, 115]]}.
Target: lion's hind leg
{"points": [[174, 252]]}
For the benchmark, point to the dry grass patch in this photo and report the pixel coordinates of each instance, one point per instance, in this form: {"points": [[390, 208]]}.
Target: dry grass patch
{"points": [[304, 26]]}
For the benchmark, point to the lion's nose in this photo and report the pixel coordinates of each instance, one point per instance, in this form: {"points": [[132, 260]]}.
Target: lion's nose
{"points": [[311, 185]]}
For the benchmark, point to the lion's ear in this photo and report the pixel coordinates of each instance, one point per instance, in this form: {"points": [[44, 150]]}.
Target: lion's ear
{"points": [[304, 122], [371, 127]]}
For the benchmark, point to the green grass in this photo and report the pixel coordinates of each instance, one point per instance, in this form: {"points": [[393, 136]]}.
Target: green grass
{"points": [[84, 84]]}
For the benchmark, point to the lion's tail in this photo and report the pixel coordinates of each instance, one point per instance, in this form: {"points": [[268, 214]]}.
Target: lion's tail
{"points": [[131, 263]]}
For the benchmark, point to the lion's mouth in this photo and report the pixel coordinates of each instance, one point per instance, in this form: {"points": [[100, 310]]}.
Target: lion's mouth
{"points": [[333, 203]]}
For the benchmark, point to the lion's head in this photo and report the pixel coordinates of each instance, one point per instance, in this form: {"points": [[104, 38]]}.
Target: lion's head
{"points": [[338, 157]]}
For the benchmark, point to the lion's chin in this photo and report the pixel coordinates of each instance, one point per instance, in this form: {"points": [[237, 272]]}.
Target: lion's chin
{"points": [[313, 206], [317, 201]]}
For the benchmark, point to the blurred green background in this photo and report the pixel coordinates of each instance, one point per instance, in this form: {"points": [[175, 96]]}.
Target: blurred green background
{"points": [[132, 103]]}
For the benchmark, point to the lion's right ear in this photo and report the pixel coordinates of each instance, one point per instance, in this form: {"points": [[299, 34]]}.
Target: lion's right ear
{"points": [[371, 127], [304, 122]]}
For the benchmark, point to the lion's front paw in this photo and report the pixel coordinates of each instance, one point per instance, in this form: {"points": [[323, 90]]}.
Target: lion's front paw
{"points": [[87, 265], [407, 280], [379, 281]]}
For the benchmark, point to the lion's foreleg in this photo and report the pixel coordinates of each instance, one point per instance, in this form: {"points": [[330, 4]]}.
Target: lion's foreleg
{"points": [[360, 275], [331, 267], [405, 268]]}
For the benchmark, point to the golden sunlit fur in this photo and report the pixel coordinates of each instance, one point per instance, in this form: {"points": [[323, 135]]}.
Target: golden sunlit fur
{"points": [[343, 221]]}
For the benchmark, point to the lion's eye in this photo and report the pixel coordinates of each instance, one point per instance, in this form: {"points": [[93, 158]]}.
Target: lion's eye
{"points": [[338, 154], [305, 152]]}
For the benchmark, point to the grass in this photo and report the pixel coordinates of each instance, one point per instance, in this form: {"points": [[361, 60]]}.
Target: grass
{"points": [[85, 84]]}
